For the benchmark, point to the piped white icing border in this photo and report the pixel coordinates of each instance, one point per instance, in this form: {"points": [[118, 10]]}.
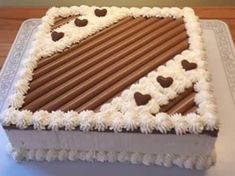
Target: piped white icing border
{"points": [[199, 162], [117, 115]]}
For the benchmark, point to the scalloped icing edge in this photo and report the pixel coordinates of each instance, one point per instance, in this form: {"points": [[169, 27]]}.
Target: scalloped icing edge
{"points": [[88, 120], [199, 162]]}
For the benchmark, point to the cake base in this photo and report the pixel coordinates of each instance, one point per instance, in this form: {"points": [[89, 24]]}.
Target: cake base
{"points": [[199, 162]]}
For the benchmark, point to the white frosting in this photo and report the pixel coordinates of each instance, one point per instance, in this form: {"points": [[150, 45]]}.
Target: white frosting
{"points": [[163, 122], [111, 156], [136, 157], [16, 100], [40, 155], [56, 120], [122, 112], [101, 121], [22, 86], [117, 123], [62, 155], [51, 155], [30, 155], [40, 119], [23, 119], [26, 74], [86, 120], [159, 160], [9, 116], [148, 159], [181, 125], [179, 161], [101, 156], [168, 160], [123, 156], [130, 120], [147, 123], [72, 155], [85, 156], [190, 162], [71, 120]]}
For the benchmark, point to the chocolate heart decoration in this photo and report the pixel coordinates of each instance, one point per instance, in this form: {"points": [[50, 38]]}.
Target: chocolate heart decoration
{"points": [[164, 81], [56, 35], [141, 99], [100, 12], [188, 65], [80, 23]]}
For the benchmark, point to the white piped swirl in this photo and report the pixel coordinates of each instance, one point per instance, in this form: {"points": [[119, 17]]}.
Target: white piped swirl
{"points": [[190, 162]]}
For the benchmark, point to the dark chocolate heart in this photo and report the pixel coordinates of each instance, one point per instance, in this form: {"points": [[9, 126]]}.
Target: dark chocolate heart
{"points": [[80, 23], [164, 81], [56, 35], [141, 99], [188, 65], [100, 12]]}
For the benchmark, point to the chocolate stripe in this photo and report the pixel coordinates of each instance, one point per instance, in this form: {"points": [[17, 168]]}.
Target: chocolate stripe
{"points": [[183, 105], [61, 21], [99, 59], [176, 100], [191, 110]]}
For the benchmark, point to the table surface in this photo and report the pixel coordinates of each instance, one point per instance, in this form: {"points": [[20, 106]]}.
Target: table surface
{"points": [[11, 19]]}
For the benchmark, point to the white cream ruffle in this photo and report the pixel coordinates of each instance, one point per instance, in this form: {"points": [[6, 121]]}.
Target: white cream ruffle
{"points": [[199, 162]]}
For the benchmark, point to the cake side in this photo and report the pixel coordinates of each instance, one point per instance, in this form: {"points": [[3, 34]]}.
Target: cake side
{"points": [[144, 101]]}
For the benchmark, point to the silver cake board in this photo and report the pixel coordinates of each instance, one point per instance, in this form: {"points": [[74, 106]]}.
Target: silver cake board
{"points": [[221, 57]]}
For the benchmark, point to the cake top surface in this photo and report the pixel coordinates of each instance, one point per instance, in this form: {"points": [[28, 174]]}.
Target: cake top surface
{"points": [[119, 69]]}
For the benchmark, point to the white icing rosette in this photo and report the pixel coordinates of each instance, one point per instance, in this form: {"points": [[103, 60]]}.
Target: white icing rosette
{"points": [[86, 120], [181, 125], [23, 119], [40, 119], [17, 100], [9, 116], [56, 120], [163, 122], [136, 157], [117, 122], [22, 86], [71, 120], [195, 123], [130, 119], [102, 121], [146, 122], [111, 157]]}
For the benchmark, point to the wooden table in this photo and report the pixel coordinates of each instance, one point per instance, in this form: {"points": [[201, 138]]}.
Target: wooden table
{"points": [[11, 19]]}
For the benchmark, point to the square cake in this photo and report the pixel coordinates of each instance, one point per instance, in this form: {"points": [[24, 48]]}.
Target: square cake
{"points": [[115, 84]]}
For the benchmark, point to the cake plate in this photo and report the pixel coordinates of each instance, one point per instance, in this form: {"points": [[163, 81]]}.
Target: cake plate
{"points": [[221, 57]]}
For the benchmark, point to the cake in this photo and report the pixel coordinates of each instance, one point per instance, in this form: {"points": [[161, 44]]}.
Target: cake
{"points": [[115, 84]]}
